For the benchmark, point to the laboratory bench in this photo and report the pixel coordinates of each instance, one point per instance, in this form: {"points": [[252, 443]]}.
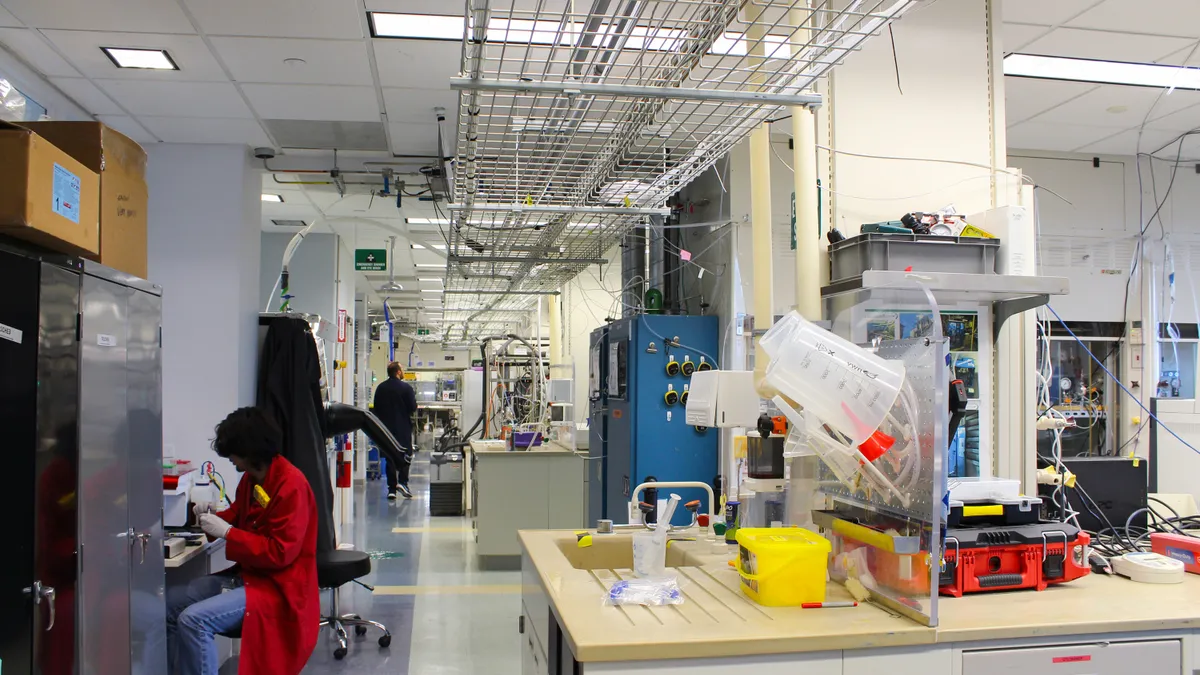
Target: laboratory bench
{"points": [[1097, 625], [540, 488]]}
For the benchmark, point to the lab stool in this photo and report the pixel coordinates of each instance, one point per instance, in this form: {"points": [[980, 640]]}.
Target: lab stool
{"points": [[335, 569]]}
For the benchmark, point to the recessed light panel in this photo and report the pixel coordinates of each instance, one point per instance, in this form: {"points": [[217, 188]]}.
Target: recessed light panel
{"points": [[272, 198], [1106, 72], [145, 59]]}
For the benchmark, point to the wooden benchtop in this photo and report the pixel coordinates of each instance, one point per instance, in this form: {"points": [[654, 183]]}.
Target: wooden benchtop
{"points": [[718, 620]]}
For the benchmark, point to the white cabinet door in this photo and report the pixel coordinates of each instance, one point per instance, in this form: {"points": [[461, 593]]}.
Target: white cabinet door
{"points": [[1160, 657]]}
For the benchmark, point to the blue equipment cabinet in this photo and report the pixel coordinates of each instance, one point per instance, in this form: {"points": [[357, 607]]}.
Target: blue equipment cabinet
{"points": [[634, 428]]}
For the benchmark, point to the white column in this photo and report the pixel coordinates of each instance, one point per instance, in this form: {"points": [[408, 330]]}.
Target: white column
{"points": [[204, 236]]}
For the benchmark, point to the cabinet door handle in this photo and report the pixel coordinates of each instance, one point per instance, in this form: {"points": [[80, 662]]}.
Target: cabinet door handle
{"points": [[145, 538], [37, 592], [48, 593]]}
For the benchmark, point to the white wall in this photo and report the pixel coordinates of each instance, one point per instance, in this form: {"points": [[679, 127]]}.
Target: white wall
{"points": [[586, 301], [204, 218]]}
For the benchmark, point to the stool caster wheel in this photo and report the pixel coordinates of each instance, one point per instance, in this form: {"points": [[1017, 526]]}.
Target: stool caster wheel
{"points": [[339, 653], [360, 630], [385, 641]]}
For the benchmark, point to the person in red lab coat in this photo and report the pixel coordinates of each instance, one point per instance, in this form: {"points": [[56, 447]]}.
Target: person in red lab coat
{"points": [[271, 533]]}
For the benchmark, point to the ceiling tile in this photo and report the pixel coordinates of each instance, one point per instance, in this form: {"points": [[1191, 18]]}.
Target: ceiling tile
{"points": [[136, 16], [82, 49], [308, 102], [1116, 106], [417, 63], [7, 19], [1183, 119], [28, 45], [1041, 12], [1025, 97], [1040, 136], [1107, 45], [1014, 36], [419, 139], [1126, 142], [1158, 17], [206, 130], [177, 99], [338, 19], [128, 126], [326, 61], [87, 95], [416, 105]]}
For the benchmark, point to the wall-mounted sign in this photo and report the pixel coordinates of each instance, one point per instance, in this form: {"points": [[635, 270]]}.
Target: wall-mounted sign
{"points": [[342, 325]]}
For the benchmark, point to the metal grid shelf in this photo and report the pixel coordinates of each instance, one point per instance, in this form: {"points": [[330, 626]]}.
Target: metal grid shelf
{"points": [[578, 118]]}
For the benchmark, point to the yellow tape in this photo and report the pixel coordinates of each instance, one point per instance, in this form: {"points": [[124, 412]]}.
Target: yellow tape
{"points": [[989, 510], [260, 496], [864, 534]]}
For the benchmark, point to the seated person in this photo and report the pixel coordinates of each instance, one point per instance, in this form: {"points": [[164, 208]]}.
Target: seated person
{"points": [[270, 530]]}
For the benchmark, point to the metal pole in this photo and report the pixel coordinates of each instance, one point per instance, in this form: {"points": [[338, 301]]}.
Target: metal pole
{"points": [[634, 91], [521, 259], [450, 291], [657, 252], [552, 208], [760, 227], [808, 220]]}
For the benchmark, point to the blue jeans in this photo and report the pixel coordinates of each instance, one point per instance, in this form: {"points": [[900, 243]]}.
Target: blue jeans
{"points": [[196, 613]]}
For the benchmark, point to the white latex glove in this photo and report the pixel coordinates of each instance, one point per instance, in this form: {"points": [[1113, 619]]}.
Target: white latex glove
{"points": [[203, 507], [214, 526]]}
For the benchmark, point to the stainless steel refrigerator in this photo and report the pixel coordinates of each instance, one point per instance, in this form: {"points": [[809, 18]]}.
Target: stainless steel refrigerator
{"points": [[81, 571]]}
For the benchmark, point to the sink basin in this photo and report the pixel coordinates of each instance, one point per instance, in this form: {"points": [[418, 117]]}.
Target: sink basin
{"points": [[615, 552]]}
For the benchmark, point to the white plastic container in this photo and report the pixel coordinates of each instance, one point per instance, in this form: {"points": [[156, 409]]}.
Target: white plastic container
{"points": [[844, 385], [649, 555]]}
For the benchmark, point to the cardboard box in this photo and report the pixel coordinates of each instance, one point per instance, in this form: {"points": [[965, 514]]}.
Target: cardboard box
{"points": [[46, 196], [121, 164]]}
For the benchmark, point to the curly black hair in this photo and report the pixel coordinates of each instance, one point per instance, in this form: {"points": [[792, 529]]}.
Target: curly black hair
{"points": [[250, 434]]}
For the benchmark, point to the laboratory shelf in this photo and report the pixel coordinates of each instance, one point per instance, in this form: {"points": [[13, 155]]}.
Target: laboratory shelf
{"points": [[1009, 294]]}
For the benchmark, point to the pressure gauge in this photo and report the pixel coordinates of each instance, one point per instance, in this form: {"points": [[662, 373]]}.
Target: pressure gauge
{"points": [[1175, 383], [1065, 384]]}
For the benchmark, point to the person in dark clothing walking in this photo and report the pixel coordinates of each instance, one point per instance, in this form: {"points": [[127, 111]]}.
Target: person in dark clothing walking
{"points": [[395, 405]]}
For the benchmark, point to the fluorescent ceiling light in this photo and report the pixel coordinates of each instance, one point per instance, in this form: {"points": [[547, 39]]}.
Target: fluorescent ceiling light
{"points": [[1106, 72], [425, 221], [437, 279], [272, 198], [655, 38], [417, 26], [440, 247], [437, 265], [145, 59], [431, 290]]}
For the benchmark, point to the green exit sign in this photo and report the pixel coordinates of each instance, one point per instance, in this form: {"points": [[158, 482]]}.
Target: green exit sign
{"points": [[422, 331], [370, 259]]}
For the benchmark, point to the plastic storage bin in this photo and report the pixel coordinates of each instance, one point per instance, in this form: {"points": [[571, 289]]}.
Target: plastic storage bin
{"points": [[782, 566], [850, 257]]}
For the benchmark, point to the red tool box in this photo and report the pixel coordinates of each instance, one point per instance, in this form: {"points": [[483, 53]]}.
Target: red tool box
{"points": [[1006, 557]]}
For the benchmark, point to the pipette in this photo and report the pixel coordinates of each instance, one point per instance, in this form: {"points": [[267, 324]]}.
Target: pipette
{"points": [[664, 519]]}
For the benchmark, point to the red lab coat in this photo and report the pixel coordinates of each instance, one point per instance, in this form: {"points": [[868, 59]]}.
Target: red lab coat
{"points": [[276, 548]]}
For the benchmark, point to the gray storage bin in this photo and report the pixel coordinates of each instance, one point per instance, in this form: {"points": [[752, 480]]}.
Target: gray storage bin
{"points": [[850, 257]]}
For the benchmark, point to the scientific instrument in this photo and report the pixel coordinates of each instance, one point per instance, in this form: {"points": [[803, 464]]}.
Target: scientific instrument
{"points": [[1149, 568]]}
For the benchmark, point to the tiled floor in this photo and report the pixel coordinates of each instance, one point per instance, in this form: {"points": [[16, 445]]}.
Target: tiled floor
{"points": [[446, 615]]}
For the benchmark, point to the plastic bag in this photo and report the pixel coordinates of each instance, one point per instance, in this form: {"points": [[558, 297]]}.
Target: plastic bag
{"points": [[649, 592]]}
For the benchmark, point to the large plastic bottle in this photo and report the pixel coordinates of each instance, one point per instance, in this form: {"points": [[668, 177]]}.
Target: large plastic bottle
{"points": [[847, 387]]}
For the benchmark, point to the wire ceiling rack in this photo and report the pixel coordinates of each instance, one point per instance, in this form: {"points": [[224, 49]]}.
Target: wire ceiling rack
{"points": [[578, 119]]}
